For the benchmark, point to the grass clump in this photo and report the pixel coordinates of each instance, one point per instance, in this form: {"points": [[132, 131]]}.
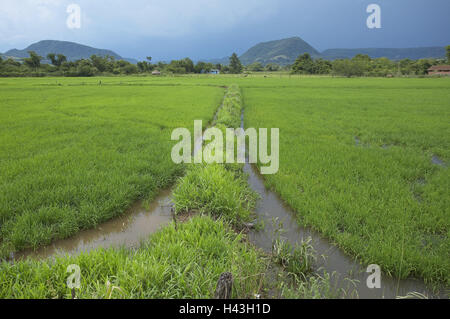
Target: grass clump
{"points": [[182, 262], [213, 189], [229, 114]]}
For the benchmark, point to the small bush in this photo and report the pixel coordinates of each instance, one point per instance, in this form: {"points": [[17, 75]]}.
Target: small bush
{"points": [[296, 260], [215, 190]]}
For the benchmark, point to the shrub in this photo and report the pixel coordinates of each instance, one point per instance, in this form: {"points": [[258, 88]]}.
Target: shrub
{"points": [[215, 190]]}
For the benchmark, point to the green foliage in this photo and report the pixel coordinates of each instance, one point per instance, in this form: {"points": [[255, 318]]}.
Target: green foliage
{"points": [[181, 262], [145, 66], [318, 286], [60, 59], [103, 64], [229, 114], [181, 66], [271, 67], [296, 260], [447, 48], [349, 68], [52, 58], [255, 67], [56, 60], [322, 67], [202, 67], [304, 64], [73, 51], [34, 61], [215, 190]]}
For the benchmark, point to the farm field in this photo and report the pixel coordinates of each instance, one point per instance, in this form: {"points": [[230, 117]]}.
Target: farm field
{"points": [[162, 267], [74, 153], [364, 161]]}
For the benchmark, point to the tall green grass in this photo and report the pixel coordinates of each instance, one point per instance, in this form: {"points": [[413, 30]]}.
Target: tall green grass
{"points": [[215, 190], [74, 153], [229, 115], [356, 164], [220, 190]]}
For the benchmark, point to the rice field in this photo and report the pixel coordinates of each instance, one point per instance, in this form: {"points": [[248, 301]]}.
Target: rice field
{"points": [[358, 162], [363, 161]]}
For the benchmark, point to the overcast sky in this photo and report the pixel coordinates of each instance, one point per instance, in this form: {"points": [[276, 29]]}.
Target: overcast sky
{"points": [[167, 29]]}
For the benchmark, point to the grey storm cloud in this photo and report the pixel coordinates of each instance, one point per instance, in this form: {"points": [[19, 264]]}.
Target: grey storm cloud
{"points": [[168, 29]]}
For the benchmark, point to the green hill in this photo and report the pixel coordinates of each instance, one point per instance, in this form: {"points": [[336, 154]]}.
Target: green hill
{"points": [[282, 52], [390, 53], [73, 51], [285, 52]]}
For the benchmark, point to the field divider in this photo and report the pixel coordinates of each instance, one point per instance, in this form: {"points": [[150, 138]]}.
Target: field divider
{"points": [[220, 190]]}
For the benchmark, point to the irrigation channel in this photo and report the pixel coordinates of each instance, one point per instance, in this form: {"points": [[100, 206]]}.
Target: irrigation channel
{"points": [[140, 221]]}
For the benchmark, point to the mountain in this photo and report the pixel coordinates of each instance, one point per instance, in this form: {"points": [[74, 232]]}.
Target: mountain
{"points": [[393, 54], [223, 61], [285, 52], [282, 52], [73, 51]]}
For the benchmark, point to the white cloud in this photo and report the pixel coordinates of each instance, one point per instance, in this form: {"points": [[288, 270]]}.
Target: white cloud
{"points": [[25, 20]]}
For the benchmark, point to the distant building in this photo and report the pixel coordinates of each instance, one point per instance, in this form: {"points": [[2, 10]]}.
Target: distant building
{"points": [[439, 70], [214, 71], [156, 72]]}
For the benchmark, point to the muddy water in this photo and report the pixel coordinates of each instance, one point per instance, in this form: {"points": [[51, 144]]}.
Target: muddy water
{"points": [[128, 230], [331, 258]]}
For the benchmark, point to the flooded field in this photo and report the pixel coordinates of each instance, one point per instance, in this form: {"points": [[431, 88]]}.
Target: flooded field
{"points": [[128, 231], [355, 187]]}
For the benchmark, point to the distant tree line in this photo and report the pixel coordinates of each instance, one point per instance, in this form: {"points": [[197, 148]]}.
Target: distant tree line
{"points": [[60, 66], [107, 65], [360, 65], [363, 65]]}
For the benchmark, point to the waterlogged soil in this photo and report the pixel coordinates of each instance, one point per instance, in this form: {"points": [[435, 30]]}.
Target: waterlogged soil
{"points": [[276, 214], [331, 259], [127, 230]]}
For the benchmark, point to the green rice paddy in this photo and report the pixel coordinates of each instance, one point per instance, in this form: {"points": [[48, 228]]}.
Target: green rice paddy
{"points": [[75, 154], [363, 161], [356, 163]]}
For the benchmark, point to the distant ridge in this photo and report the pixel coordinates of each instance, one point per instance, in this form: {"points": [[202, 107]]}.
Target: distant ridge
{"points": [[390, 53], [73, 51], [286, 51]]}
